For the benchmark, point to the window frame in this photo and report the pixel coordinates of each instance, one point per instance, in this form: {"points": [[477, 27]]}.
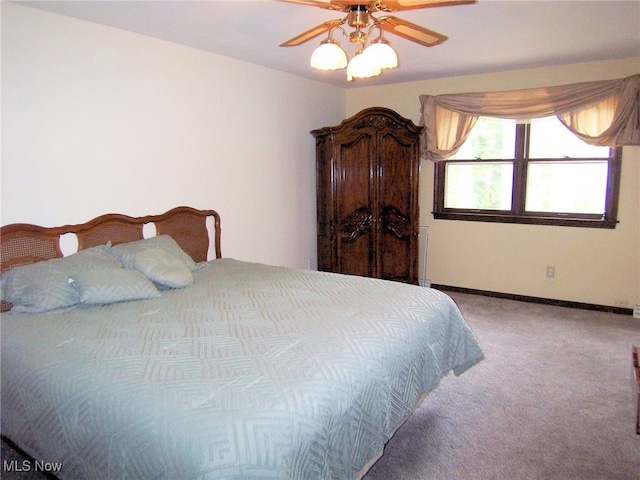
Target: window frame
{"points": [[517, 213]]}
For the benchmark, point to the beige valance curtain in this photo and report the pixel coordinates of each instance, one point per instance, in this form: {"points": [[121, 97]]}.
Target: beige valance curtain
{"points": [[604, 113]]}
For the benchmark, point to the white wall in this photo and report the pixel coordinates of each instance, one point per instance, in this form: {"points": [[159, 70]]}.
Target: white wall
{"points": [[98, 120], [592, 265]]}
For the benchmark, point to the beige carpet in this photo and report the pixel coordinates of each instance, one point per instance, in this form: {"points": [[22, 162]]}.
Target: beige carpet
{"points": [[552, 400]]}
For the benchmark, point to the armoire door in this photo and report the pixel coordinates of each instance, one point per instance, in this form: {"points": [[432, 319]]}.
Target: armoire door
{"points": [[356, 206], [398, 209]]}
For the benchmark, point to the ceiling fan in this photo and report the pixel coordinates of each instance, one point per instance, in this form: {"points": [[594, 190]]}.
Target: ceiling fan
{"points": [[378, 55]]}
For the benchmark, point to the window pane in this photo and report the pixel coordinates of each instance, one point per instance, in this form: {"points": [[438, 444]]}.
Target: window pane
{"points": [[490, 138], [549, 138], [567, 187], [479, 186]]}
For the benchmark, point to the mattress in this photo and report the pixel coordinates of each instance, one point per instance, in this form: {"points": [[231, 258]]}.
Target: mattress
{"points": [[253, 371]]}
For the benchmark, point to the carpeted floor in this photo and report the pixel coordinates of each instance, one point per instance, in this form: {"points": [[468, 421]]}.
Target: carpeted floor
{"points": [[552, 400]]}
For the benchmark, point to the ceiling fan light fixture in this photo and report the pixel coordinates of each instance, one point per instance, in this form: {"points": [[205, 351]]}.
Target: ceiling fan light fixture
{"points": [[361, 66], [328, 56], [362, 18], [381, 53]]}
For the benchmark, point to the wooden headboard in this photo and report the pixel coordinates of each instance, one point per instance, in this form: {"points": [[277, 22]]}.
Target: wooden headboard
{"points": [[22, 243]]}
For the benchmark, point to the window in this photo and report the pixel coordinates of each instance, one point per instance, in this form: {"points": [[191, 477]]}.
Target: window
{"points": [[536, 172]]}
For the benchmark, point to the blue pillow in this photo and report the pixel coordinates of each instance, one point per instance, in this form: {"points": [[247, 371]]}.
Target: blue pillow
{"points": [[162, 268], [125, 252], [43, 286], [109, 285]]}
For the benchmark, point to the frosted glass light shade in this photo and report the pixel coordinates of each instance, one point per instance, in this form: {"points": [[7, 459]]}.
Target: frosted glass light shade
{"points": [[361, 66], [328, 56], [381, 54]]}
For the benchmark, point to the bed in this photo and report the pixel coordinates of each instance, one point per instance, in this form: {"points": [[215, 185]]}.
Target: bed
{"points": [[217, 368]]}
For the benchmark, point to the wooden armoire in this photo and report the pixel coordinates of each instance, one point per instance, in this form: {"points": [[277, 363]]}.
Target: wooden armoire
{"points": [[367, 194]]}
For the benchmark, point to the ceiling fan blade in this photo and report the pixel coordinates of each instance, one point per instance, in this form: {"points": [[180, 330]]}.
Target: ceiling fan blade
{"points": [[326, 4], [411, 31], [379, 5], [311, 33], [398, 5]]}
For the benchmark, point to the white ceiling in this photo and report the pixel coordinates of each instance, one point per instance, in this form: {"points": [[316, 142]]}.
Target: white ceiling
{"points": [[489, 36]]}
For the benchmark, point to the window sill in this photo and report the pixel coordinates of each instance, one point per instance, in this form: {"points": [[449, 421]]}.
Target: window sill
{"points": [[526, 220]]}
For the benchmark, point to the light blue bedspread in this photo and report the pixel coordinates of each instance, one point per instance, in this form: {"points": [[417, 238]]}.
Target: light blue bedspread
{"points": [[252, 372]]}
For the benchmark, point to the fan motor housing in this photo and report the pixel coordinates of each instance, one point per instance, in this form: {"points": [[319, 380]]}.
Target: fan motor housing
{"points": [[358, 16]]}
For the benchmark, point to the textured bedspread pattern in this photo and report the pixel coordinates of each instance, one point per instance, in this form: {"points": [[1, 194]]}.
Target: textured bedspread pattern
{"points": [[253, 371]]}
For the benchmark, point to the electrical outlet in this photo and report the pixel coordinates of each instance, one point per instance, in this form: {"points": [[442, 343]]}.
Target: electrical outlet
{"points": [[551, 272], [636, 311]]}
